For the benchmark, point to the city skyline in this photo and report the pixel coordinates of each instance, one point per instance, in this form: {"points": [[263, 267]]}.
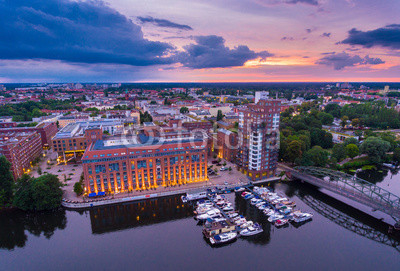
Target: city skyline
{"points": [[200, 41]]}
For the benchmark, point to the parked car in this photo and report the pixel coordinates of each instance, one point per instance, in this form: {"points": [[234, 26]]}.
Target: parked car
{"points": [[223, 168]]}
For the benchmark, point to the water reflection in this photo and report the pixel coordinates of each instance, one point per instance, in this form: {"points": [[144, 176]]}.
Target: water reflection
{"points": [[14, 225], [135, 214], [346, 216], [252, 213]]}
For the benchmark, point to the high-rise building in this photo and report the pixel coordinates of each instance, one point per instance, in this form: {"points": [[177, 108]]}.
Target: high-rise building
{"points": [[259, 139]]}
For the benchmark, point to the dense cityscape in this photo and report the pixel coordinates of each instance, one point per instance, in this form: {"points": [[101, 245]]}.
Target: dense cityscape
{"points": [[175, 135]]}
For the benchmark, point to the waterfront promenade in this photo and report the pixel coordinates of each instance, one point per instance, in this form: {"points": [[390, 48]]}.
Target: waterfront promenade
{"points": [[225, 179]]}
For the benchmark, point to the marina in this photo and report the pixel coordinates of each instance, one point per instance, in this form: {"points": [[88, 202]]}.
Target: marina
{"points": [[222, 224]]}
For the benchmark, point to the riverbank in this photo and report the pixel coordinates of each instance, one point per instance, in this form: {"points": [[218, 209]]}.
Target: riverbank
{"points": [[156, 193]]}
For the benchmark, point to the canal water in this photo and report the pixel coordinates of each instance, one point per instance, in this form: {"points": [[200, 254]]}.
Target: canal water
{"points": [[161, 234]]}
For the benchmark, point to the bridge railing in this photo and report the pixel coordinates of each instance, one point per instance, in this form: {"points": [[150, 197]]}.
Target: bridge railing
{"points": [[388, 201]]}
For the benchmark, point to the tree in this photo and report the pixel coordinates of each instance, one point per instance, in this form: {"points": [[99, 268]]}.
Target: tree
{"points": [[166, 102], [39, 170], [43, 193], [338, 152], [350, 140], [396, 155], [334, 110], [316, 156], [325, 118], [219, 115], [184, 110], [293, 151], [352, 150], [6, 182], [344, 121], [321, 138], [355, 122], [375, 148], [78, 188]]}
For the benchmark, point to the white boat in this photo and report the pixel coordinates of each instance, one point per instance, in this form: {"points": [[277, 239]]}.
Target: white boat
{"points": [[252, 230], [208, 214], [274, 217], [203, 210], [233, 215], [301, 217], [228, 208], [246, 225], [240, 221], [223, 238], [239, 189], [281, 222], [269, 212], [196, 196]]}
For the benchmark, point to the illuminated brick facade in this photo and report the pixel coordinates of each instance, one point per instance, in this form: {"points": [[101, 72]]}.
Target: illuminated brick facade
{"points": [[113, 167]]}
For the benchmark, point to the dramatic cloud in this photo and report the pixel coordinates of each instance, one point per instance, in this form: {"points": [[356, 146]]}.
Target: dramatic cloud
{"points": [[326, 35], [163, 23], [388, 36], [82, 32], [341, 60], [211, 52]]}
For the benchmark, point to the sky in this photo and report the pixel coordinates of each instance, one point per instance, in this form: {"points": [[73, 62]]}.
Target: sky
{"points": [[199, 41]]}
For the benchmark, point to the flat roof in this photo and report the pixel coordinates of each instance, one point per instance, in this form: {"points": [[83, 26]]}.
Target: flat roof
{"points": [[143, 141]]}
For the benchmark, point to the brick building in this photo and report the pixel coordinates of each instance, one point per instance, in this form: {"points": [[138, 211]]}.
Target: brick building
{"points": [[226, 145], [20, 149], [259, 139], [46, 130], [143, 162]]}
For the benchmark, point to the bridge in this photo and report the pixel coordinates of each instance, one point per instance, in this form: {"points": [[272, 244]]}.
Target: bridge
{"points": [[349, 186], [348, 222]]}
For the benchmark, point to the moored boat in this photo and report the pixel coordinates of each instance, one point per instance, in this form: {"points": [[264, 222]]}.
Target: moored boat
{"points": [[223, 238]]}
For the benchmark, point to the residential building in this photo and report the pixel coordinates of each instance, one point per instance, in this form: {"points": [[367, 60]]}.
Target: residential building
{"points": [[259, 139], [20, 149], [227, 144], [46, 130]]}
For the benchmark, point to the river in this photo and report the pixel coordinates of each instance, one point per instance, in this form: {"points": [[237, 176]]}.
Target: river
{"points": [[161, 234]]}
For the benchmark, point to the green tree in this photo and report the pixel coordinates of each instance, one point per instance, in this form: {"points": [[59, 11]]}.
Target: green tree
{"points": [[375, 148], [338, 152], [43, 193], [78, 188], [352, 150], [220, 116], [344, 121], [6, 182], [316, 156], [396, 155], [293, 151], [325, 118], [184, 110], [350, 140]]}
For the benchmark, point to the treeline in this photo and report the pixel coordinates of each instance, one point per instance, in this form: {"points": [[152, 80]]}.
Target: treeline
{"points": [[303, 141], [31, 109], [28, 193], [372, 114]]}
